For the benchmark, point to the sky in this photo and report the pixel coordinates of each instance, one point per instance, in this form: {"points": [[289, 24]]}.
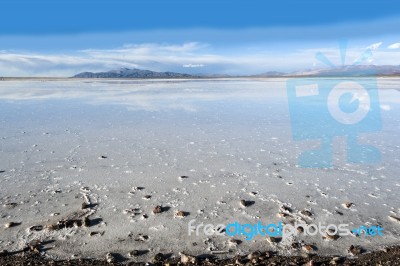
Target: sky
{"points": [[62, 38]]}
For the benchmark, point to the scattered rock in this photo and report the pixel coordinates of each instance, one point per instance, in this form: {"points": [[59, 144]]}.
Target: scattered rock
{"points": [[355, 250], [306, 213], [347, 204], [308, 248], [103, 157], [158, 257], [254, 255], [339, 212], [134, 253], [10, 205], [394, 218], [86, 222], [234, 242], [183, 177], [285, 208], [181, 214], [2, 171], [186, 259], [34, 246], [96, 233], [84, 205], [137, 188], [147, 197], [36, 228], [331, 235], [11, 224], [300, 229], [253, 193], [243, 203], [157, 209], [282, 215], [335, 261], [274, 240], [110, 258], [52, 227], [142, 238]]}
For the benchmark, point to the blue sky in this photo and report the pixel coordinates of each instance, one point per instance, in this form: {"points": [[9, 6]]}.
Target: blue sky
{"points": [[61, 38]]}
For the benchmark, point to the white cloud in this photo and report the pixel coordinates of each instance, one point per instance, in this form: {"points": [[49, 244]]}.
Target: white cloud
{"points": [[193, 65], [375, 46], [183, 57], [394, 46]]}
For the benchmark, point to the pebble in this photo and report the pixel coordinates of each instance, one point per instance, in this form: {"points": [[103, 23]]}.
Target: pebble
{"points": [[272, 239], [34, 246], [335, 260], [183, 177], [243, 203], [103, 157], [355, 250], [134, 253], [36, 228], [186, 259], [84, 205], [300, 229], [234, 242], [86, 222], [254, 255], [10, 224], [95, 233], [282, 215], [329, 236], [347, 204], [394, 218], [147, 197], [142, 238], [308, 248], [110, 258], [157, 209], [137, 188], [180, 214], [285, 208], [10, 205], [158, 257], [306, 213]]}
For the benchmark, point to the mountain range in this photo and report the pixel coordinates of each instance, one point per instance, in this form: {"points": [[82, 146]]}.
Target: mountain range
{"points": [[354, 70]]}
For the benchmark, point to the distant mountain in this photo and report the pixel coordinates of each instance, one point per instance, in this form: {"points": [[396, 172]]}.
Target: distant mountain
{"points": [[358, 70], [133, 73]]}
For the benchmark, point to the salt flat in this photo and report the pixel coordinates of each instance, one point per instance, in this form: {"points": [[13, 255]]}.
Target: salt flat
{"points": [[112, 142]]}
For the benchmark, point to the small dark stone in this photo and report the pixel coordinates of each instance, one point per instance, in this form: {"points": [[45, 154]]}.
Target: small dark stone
{"points": [[134, 253], [84, 205], [158, 257], [157, 209], [86, 222], [36, 228]]}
